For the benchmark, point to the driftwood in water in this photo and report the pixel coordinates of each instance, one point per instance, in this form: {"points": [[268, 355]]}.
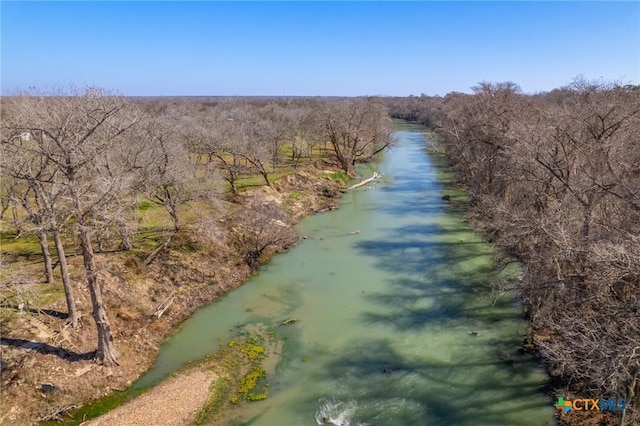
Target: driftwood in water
{"points": [[375, 176]]}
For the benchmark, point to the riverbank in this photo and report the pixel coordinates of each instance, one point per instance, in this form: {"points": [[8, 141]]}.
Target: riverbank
{"points": [[177, 401], [484, 224], [47, 368], [394, 323]]}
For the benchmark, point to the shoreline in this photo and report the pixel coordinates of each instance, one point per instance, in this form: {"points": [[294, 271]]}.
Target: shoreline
{"points": [[80, 381]]}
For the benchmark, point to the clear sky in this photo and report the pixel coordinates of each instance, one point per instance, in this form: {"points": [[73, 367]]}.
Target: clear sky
{"points": [[315, 48]]}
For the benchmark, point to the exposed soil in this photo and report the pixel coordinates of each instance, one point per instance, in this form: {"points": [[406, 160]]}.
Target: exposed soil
{"points": [[46, 366]]}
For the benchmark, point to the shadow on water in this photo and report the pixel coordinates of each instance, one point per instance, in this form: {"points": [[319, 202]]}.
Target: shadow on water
{"points": [[442, 280], [486, 380], [402, 392], [430, 262], [429, 248]]}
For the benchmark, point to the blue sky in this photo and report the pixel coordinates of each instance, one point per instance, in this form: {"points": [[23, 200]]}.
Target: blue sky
{"points": [[315, 48]]}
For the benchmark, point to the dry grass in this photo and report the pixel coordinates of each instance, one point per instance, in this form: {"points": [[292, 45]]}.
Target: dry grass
{"points": [[199, 264]]}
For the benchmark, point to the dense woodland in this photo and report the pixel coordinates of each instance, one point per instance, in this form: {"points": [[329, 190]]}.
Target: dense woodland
{"points": [[77, 165], [554, 180]]}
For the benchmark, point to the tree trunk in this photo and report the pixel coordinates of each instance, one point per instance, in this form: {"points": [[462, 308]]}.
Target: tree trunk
{"points": [[265, 176], [106, 352], [5, 206], [125, 240], [364, 182], [66, 282], [44, 246], [231, 178], [172, 209], [586, 221], [174, 218], [14, 212], [274, 160]]}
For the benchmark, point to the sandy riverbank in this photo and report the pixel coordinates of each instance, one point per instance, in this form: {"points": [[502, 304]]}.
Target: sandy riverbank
{"points": [[177, 401]]}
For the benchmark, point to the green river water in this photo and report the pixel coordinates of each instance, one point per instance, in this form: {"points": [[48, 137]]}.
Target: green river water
{"points": [[394, 326]]}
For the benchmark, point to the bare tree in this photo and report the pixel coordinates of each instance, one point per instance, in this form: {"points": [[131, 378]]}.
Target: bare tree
{"points": [[263, 227], [274, 127], [211, 133], [77, 133], [36, 214], [174, 176], [554, 180], [40, 195], [305, 132], [252, 139], [357, 129], [8, 187]]}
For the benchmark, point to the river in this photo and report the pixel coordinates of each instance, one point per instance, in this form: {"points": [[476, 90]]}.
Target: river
{"points": [[394, 324]]}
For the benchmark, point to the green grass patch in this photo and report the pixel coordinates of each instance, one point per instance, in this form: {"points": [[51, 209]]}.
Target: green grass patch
{"points": [[38, 295], [49, 293], [145, 242], [152, 216], [25, 245], [145, 205], [339, 177], [257, 180], [296, 194]]}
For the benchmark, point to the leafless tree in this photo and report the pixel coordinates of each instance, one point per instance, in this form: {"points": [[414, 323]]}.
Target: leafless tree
{"points": [[357, 129], [173, 175], [263, 227], [39, 195], [255, 140], [554, 179], [211, 134], [77, 133], [306, 132], [8, 187]]}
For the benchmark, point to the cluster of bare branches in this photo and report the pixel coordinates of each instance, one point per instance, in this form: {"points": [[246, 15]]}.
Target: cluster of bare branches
{"points": [[555, 180], [242, 137], [263, 227]]}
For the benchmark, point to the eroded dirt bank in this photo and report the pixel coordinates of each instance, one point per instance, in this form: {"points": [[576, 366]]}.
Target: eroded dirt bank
{"points": [[47, 367]]}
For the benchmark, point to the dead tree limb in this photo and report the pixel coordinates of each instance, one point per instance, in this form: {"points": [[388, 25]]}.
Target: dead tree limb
{"points": [[56, 415], [162, 307], [375, 176], [154, 253]]}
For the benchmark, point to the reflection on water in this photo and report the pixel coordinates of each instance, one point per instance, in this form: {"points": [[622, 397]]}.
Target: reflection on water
{"points": [[393, 326]]}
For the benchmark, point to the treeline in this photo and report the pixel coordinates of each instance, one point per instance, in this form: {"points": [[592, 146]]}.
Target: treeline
{"points": [[554, 179], [77, 165]]}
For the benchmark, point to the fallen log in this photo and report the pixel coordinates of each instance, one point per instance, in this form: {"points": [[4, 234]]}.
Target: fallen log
{"points": [[375, 176], [154, 253], [164, 305]]}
